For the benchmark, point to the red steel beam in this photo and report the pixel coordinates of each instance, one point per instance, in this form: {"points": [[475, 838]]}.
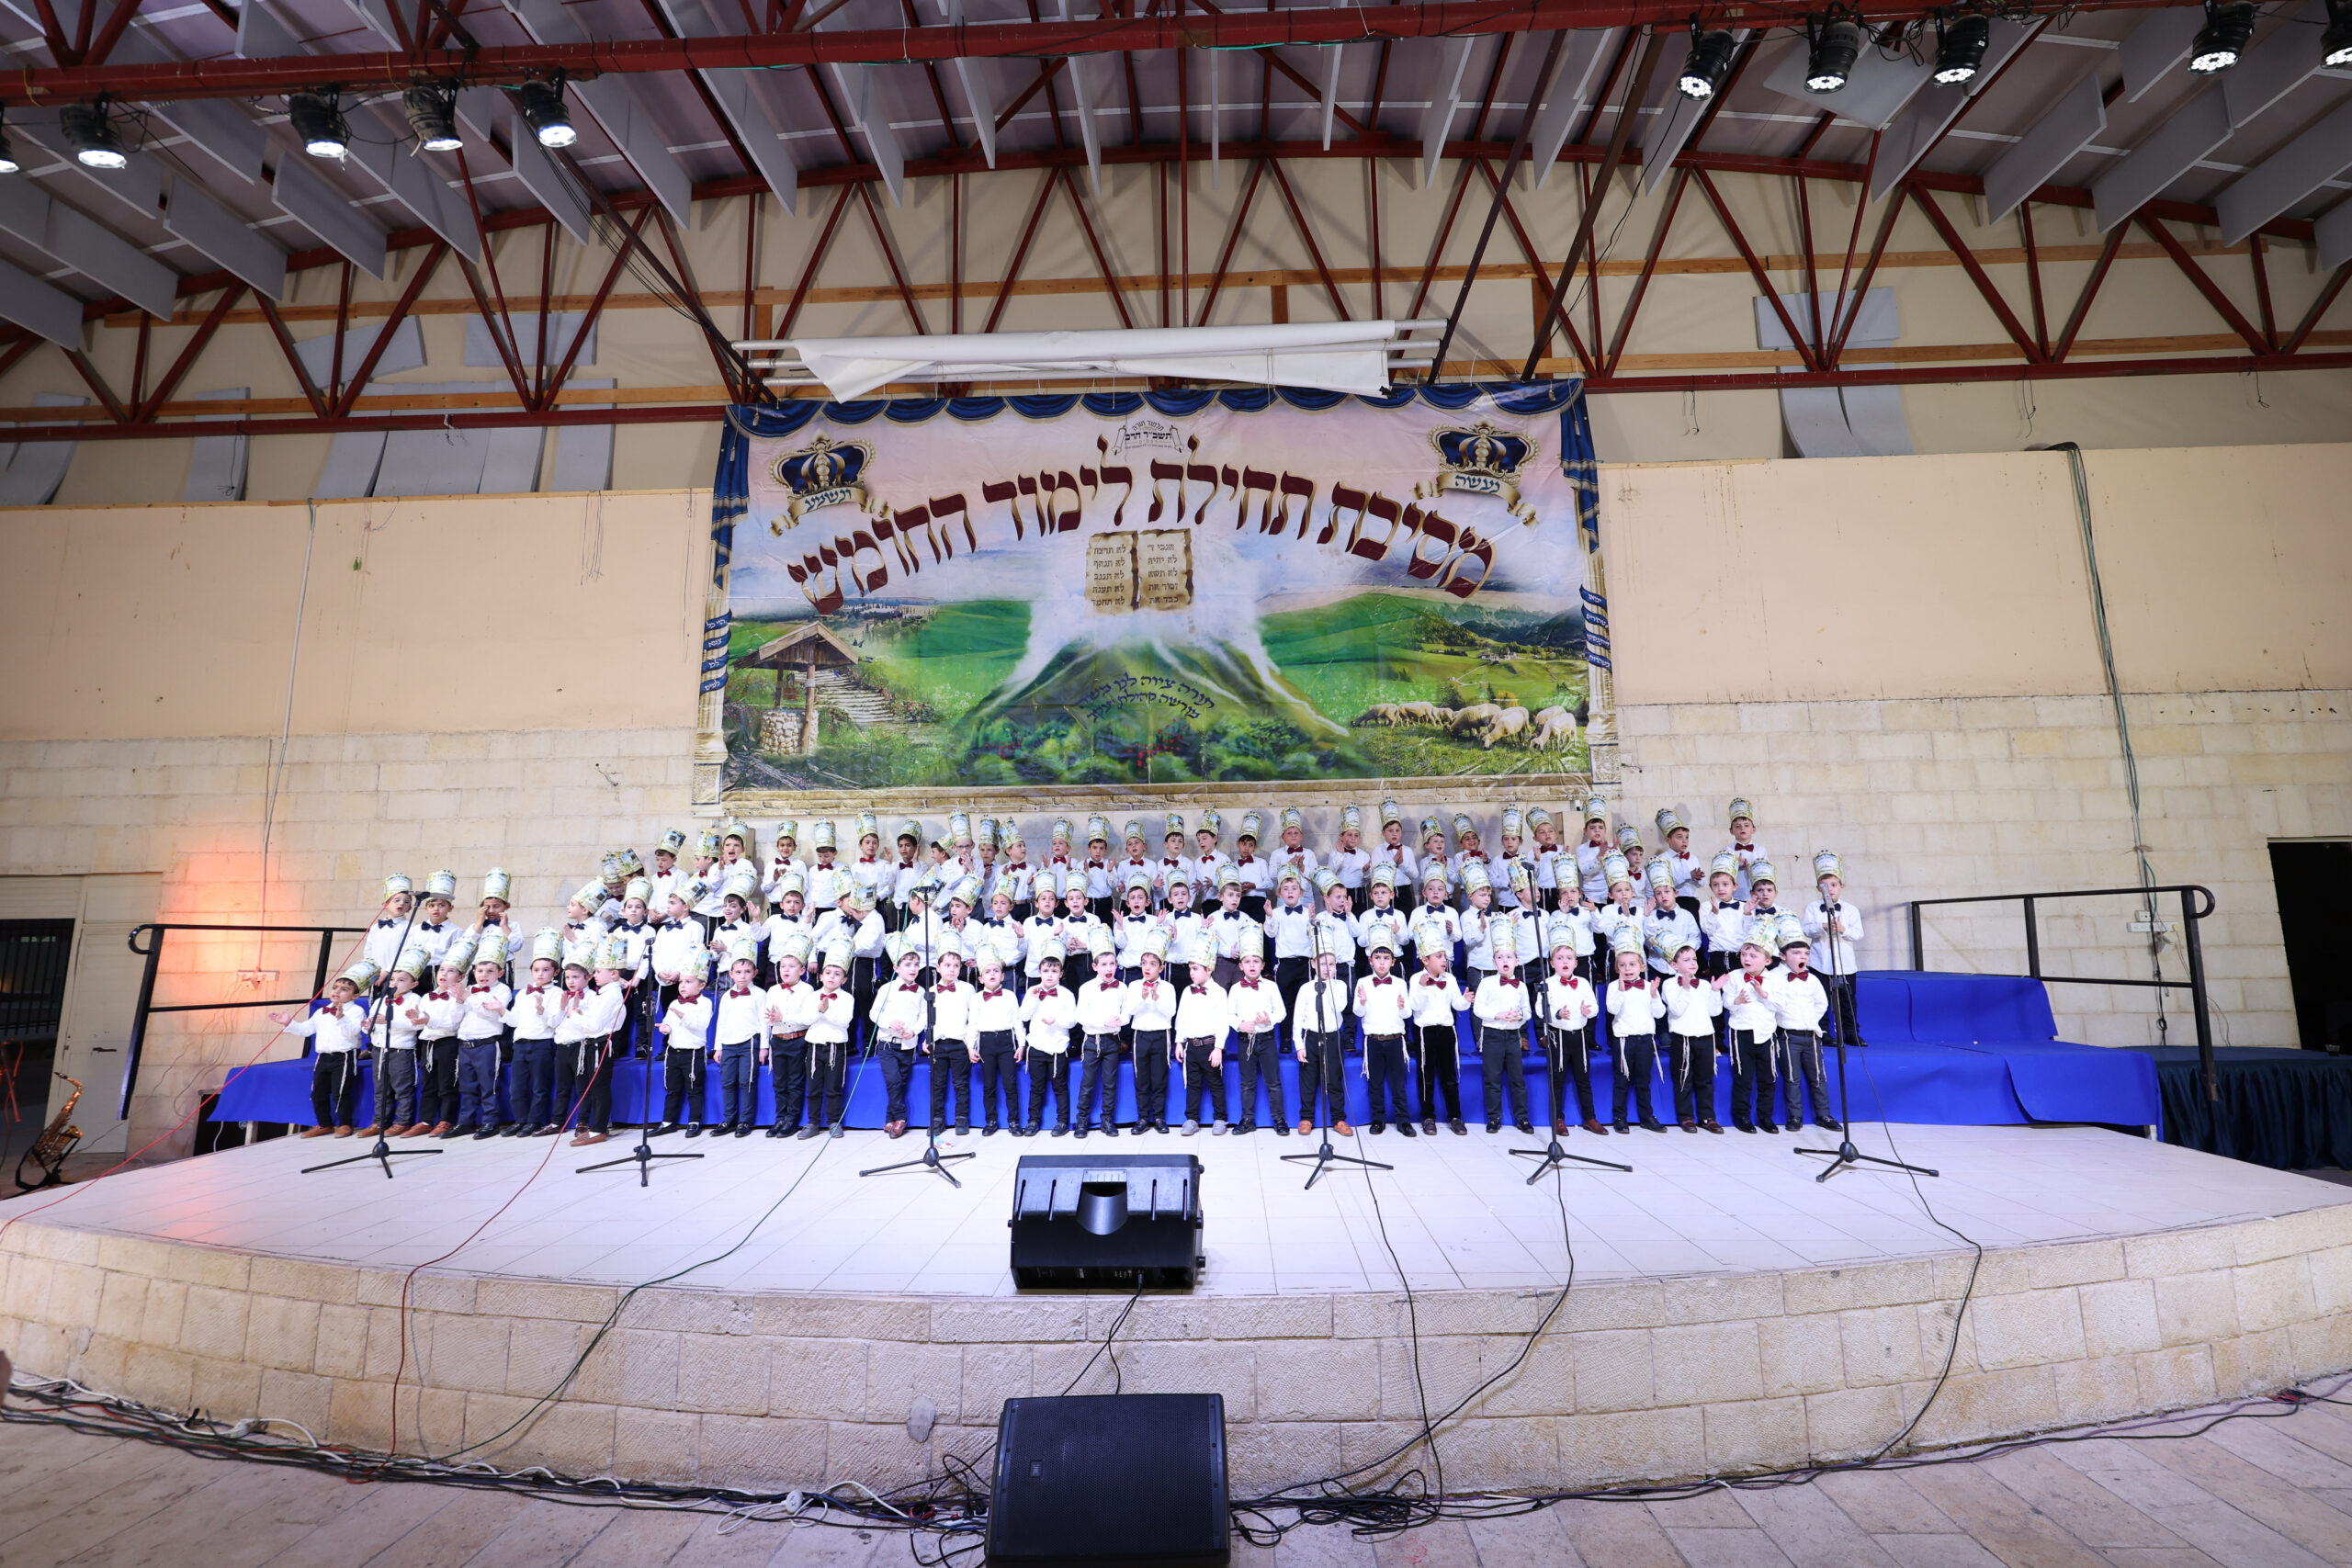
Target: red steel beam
{"points": [[506, 65], [1020, 254], [1094, 243], [1756, 270], [2090, 290], [1869, 270], [187, 360], [97, 383], [293, 360], [816, 259], [1314, 251], [1232, 239], [597, 308], [349, 395], [2319, 306], [1977, 275], [1649, 266], [2205, 284]]}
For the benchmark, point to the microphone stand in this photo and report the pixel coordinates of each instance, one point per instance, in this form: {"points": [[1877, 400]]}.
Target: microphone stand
{"points": [[645, 1153], [383, 1153], [1323, 1158], [1552, 1156], [1846, 1154], [931, 1160]]}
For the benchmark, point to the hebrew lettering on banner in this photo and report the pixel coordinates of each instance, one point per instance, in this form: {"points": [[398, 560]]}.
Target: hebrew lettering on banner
{"points": [[1164, 591]]}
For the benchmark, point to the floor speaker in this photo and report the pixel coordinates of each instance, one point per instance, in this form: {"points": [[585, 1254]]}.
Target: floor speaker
{"points": [[1108, 1222], [1133, 1478]]}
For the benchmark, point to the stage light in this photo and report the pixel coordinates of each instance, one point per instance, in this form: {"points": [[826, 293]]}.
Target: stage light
{"points": [[1959, 48], [543, 112], [433, 115], [1709, 62], [2336, 44], [91, 133], [2223, 39], [1831, 58], [318, 121]]}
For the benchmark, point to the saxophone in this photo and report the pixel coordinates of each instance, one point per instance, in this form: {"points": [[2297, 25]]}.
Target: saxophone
{"points": [[56, 1141]]}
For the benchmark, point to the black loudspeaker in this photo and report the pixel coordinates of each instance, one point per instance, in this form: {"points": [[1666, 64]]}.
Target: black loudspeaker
{"points": [[1131, 1478], [1107, 1223]]}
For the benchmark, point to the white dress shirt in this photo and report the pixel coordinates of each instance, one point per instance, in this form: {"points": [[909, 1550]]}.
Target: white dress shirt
{"points": [[1151, 1005], [1255, 1006], [1436, 999], [1750, 1002], [951, 1014], [1320, 1014], [1503, 1004], [1833, 955], [1050, 1011], [742, 1016], [1633, 1010], [1201, 1013], [336, 1029], [479, 1022], [1381, 1002], [1798, 1002], [1692, 1005], [689, 1021], [1569, 1004]]}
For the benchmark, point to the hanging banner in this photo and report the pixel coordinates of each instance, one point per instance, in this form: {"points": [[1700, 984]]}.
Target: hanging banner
{"points": [[1131, 590]]}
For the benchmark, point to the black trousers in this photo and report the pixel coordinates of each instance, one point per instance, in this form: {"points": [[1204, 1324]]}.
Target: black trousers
{"points": [[1048, 1070], [1802, 1067], [1503, 1055], [1202, 1081], [951, 1077], [681, 1074], [1751, 1077], [999, 1080], [1691, 1059], [1436, 1048], [593, 1069], [395, 1087], [897, 1069], [1636, 1065], [436, 1091], [566, 1082], [1386, 1070], [1289, 975], [1099, 1081], [334, 1088], [1843, 1017], [828, 1080], [1568, 1056], [1324, 1071], [865, 980], [533, 1085], [1152, 1047], [788, 1069], [1261, 1056]]}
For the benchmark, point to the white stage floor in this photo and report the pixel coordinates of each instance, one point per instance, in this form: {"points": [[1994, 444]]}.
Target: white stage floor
{"points": [[1458, 1212]]}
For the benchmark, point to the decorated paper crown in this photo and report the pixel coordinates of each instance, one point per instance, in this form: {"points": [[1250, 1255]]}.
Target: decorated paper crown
{"points": [[1613, 869], [441, 884], [491, 947], [1133, 831], [609, 872], [867, 823], [693, 890], [1522, 879], [1380, 938], [1155, 943], [820, 834], [1351, 820], [1596, 809], [910, 829], [1324, 879], [789, 829], [1504, 942], [1760, 935], [706, 844], [1101, 943], [1228, 876], [1061, 831], [1051, 950], [1252, 822], [1761, 871], [1252, 943], [1668, 822], [640, 889], [792, 881], [1138, 879], [745, 948], [1200, 949], [396, 885], [792, 942], [740, 884], [1725, 864], [1629, 839], [1538, 818], [1740, 808], [741, 833], [579, 953], [694, 965], [632, 863], [1475, 877], [1560, 932], [672, 841], [1430, 828], [966, 892], [951, 946], [1661, 876], [1826, 863], [547, 943], [1212, 823], [1097, 827], [1291, 874], [959, 826], [1383, 875], [1391, 812], [1290, 818], [589, 896], [415, 963], [987, 834], [1791, 934], [362, 975], [1175, 826], [460, 954], [901, 944], [1434, 875], [1625, 938], [1463, 826], [836, 955], [1514, 821], [496, 883], [614, 953]]}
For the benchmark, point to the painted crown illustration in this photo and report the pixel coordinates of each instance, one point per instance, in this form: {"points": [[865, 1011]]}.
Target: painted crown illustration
{"points": [[825, 464], [1482, 449]]}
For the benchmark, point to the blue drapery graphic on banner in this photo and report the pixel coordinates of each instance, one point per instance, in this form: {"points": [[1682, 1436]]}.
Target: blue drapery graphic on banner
{"points": [[996, 590]]}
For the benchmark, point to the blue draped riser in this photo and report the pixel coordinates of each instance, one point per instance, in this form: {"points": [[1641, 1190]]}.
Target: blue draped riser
{"points": [[1936, 1055]]}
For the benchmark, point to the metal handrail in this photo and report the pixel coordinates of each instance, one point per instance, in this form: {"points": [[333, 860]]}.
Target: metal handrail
{"points": [[154, 953], [2190, 893]]}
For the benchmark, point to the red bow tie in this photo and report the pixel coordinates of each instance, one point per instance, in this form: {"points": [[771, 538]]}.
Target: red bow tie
{"points": [[439, 997], [737, 991], [1200, 990], [1094, 865], [986, 995], [533, 990], [1380, 980], [1150, 987], [909, 986], [865, 860], [1629, 984], [1507, 982], [1244, 859], [1432, 985], [1689, 984], [1249, 984]]}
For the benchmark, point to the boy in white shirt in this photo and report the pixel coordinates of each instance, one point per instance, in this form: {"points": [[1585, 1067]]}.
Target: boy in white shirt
{"points": [[1835, 927], [1318, 1015], [1201, 1020], [1744, 849], [686, 1025], [1382, 912], [533, 1018], [1480, 922], [1047, 1014], [1179, 921], [953, 1053], [1256, 872], [480, 1031], [1393, 851], [1799, 1003], [786, 1017], [1043, 926], [1434, 997], [995, 1020], [1151, 1023], [898, 1017], [739, 1045], [1667, 926], [1174, 867], [1592, 851], [570, 1032], [1633, 1010], [1754, 1027], [1691, 1008], [1434, 926], [436, 1044], [1349, 862], [1383, 1003], [1101, 1013], [1503, 1007], [736, 1010], [605, 1011], [336, 1030], [1569, 1006], [1256, 1007], [1290, 929], [831, 1014], [394, 925], [1228, 926], [1294, 855], [399, 1015]]}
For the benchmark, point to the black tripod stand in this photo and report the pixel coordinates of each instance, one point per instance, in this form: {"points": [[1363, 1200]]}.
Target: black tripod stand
{"points": [[1552, 1156], [645, 1153], [1326, 1156], [383, 1153], [931, 1160], [1845, 1154]]}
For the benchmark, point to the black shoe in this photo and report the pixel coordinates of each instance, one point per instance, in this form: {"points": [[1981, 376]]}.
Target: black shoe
{"points": [[511, 1130], [695, 1131], [1428, 1126], [1378, 1127], [780, 1130], [744, 1131], [964, 1128], [1460, 1131], [663, 1129], [814, 1130], [1795, 1125], [838, 1131], [1619, 1127], [1063, 1131], [1241, 1127], [1494, 1126], [1110, 1129], [1524, 1126], [1771, 1127], [1831, 1125], [1282, 1129], [991, 1131], [1651, 1124], [485, 1132], [1406, 1128], [1082, 1131], [1739, 1126], [547, 1131]]}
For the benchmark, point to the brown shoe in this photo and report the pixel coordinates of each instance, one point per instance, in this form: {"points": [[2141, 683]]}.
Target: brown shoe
{"points": [[585, 1139], [1593, 1126], [1304, 1127], [315, 1132], [413, 1129], [438, 1129], [344, 1132], [1559, 1129], [1344, 1129]]}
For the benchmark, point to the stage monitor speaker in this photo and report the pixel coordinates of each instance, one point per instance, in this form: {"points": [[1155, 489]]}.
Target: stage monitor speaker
{"points": [[1136, 1479], [1107, 1223]]}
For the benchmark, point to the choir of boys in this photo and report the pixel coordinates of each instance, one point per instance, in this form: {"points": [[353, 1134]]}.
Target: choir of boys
{"points": [[952, 952]]}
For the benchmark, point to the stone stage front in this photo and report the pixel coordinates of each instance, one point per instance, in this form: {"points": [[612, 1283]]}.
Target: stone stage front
{"points": [[1728, 1312]]}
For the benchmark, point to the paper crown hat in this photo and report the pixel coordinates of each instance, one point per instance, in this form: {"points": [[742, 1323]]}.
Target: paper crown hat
{"points": [[1097, 827], [672, 841], [1155, 942], [741, 833], [579, 953], [1391, 812], [792, 942], [1213, 823], [1668, 822], [1290, 818], [1062, 830], [966, 891], [691, 891], [608, 871], [1740, 808], [1051, 950], [820, 834], [1380, 938], [787, 829], [632, 864], [362, 973], [1324, 879], [1431, 827], [1291, 874], [1661, 876], [740, 884], [1826, 863], [1463, 826], [491, 947], [1505, 942], [1725, 864], [1102, 944], [1538, 818], [1559, 932], [1514, 821], [1253, 943], [1613, 869], [1596, 809], [1383, 875], [1133, 828], [1791, 934], [1475, 876], [899, 945], [1629, 838], [959, 826], [1137, 877], [1761, 871], [694, 965], [1351, 820], [638, 888], [546, 944], [1250, 822], [987, 833], [910, 829], [869, 823], [1434, 875], [792, 881], [1523, 880], [589, 896], [441, 884], [1228, 876], [396, 885], [614, 953], [1175, 826], [415, 963], [1200, 949], [496, 883], [706, 843], [460, 954], [836, 955], [1627, 937]]}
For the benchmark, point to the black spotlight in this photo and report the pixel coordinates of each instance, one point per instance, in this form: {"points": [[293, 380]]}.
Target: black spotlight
{"points": [[433, 115], [543, 112], [90, 131], [2223, 40], [1960, 48], [1709, 62], [2336, 44], [1830, 61], [319, 122]]}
